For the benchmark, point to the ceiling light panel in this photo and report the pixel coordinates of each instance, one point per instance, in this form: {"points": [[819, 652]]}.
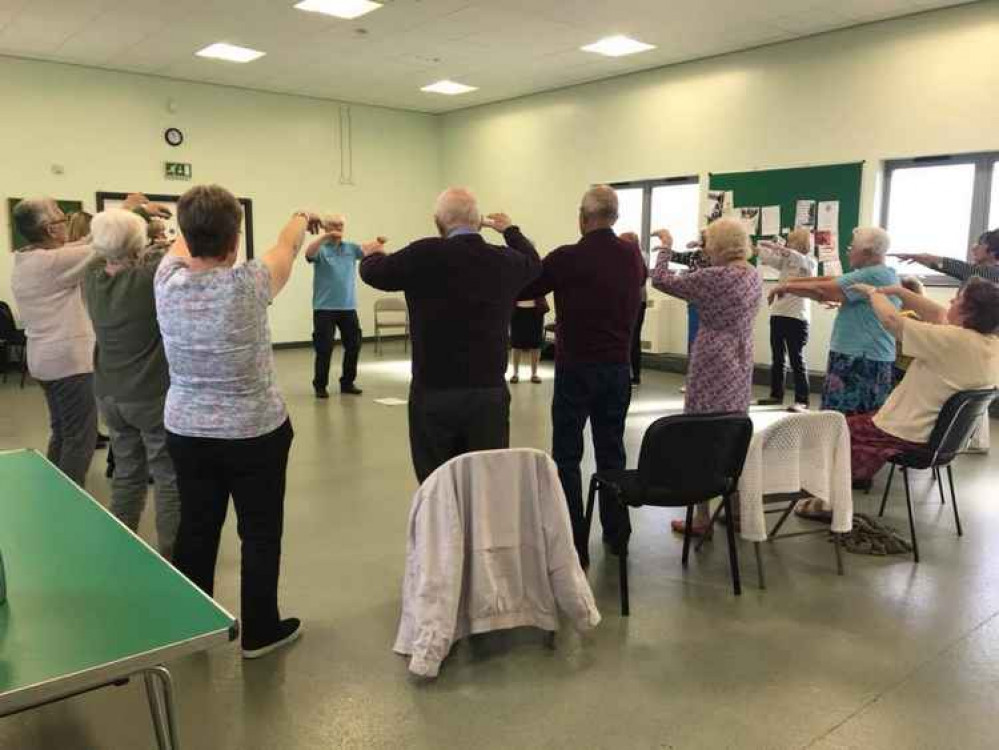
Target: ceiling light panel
{"points": [[230, 53], [339, 8], [618, 46]]}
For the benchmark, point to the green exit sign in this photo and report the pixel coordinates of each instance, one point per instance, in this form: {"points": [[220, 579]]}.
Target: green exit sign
{"points": [[178, 170]]}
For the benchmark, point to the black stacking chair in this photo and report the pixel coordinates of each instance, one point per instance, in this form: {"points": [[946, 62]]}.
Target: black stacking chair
{"points": [[955, 424], [12, 340], [685, 460]]}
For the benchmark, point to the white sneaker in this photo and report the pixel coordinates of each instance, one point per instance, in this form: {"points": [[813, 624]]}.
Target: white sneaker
{"points": [[798, 408]]}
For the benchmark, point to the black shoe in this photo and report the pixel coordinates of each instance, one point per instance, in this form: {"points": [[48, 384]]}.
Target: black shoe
{"points": [[636, 383], [288, 632], [102, 440], [322, 393], [770, 402], [863, 484], [351, 390]]}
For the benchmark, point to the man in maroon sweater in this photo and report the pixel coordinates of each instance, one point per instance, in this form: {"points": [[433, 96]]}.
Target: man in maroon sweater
{"points": [[597, 284], [460, 292]]}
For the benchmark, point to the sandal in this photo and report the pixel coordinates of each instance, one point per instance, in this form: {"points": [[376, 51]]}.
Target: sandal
{"points": [[535, 379], [679, 526], [813, 509], [515, 379]]}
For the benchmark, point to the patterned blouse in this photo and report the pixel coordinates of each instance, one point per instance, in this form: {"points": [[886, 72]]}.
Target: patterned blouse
{"points": [[720, 372], [218, 347]]}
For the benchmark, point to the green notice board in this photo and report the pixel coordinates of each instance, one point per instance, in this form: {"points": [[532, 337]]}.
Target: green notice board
{"points": [[784, 187]]}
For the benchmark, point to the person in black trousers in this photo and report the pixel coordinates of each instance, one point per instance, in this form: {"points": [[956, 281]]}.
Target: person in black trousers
{"points": [[597, 284], [334, 303], [460, 292], [789, 317]]}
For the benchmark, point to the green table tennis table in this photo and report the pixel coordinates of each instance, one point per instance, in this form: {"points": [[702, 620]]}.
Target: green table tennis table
{"points": [[89, 604]]}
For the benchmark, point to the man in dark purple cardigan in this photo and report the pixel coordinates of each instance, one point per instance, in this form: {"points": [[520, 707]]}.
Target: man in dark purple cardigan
{"points": [[597, 284], [460, 292]]}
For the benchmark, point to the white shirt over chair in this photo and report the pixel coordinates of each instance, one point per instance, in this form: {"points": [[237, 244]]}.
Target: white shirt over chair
{"points": [[793, 452], [489, 548]]}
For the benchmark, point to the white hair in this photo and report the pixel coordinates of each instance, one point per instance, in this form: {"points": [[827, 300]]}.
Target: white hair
{"points": [[32, 215], [329, 218], [117, 236], [726, 240], [874, 240], [599, 203], [457, 207]]}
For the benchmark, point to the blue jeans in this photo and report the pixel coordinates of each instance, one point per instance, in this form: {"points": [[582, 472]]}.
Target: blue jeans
{"points": [[600, 393]]}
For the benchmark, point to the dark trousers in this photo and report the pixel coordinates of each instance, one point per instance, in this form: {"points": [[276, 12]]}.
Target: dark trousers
{"points": [[636, 345], [73, 421], [600, 394], [324, 325], [788, 334], [253, 472], [447, 423]]}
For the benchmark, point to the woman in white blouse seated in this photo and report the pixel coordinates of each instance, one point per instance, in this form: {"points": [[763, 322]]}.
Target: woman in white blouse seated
{"points": [[953, 349], [228, 430]]}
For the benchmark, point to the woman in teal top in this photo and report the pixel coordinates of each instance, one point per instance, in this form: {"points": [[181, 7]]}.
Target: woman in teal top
{"points": [[862, 351]]}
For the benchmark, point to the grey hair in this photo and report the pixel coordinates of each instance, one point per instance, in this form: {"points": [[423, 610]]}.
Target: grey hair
{"points": [[599, 203], [457, 207], [874, 240], [31, 216], [117, 236], [327, 218], [726, 240]]}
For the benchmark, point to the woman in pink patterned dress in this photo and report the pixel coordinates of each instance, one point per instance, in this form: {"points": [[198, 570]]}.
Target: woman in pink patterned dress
{"points": [[727, 295]]}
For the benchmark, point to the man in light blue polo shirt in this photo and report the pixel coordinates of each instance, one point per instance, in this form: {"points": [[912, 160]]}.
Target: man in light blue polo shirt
{"points": [[334, 304]]}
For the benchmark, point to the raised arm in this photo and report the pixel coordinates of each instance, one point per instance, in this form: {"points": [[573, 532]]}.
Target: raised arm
{"points": [[689, 286], [517, 242], [822, 289], [69, 263], [313, 247], [280, 258], [927, 310]]}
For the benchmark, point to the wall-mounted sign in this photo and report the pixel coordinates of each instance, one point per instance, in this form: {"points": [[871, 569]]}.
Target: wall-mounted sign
{"points": [[178, 170]]}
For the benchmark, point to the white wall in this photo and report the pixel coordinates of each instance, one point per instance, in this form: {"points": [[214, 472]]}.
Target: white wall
{"points": [[106, 130], [916, 86]]}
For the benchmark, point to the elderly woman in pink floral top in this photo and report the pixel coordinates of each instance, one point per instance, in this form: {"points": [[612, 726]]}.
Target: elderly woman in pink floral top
{"points": [[727, 294]]}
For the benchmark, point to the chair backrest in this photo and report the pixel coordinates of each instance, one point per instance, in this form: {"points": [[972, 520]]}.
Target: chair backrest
{"points": [[695, 456], [8, 326], [391, 305], [957, 420]]}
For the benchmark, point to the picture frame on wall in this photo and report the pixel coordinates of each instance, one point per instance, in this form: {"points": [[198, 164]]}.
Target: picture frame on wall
{"points": [[69, 207], [107, 200]]}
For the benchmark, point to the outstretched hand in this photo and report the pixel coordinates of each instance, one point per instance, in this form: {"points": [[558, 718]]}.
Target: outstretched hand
{"points": [[665, 238], [924, 259], [774, 247], [776, 293]]}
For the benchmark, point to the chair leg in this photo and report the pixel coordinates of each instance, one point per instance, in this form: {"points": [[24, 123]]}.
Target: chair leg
{"points": [[838, 545], [936, 473], [884, 498], [710, 528], [622, 562], [912, 523], [591, 501], [733, 554], [686, 535], [784, 516], [759, 565], [953, 500]]}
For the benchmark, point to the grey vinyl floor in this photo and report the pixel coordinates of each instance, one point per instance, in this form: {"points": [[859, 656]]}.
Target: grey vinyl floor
{"points": [[891, 655]]}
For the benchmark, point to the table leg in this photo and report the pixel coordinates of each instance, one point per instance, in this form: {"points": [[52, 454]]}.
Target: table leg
{"points": [[838, 544], [159, 691]]}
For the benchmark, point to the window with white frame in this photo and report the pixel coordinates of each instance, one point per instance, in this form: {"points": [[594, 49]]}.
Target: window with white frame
{"points": [[939, 205], [647, 205]]}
